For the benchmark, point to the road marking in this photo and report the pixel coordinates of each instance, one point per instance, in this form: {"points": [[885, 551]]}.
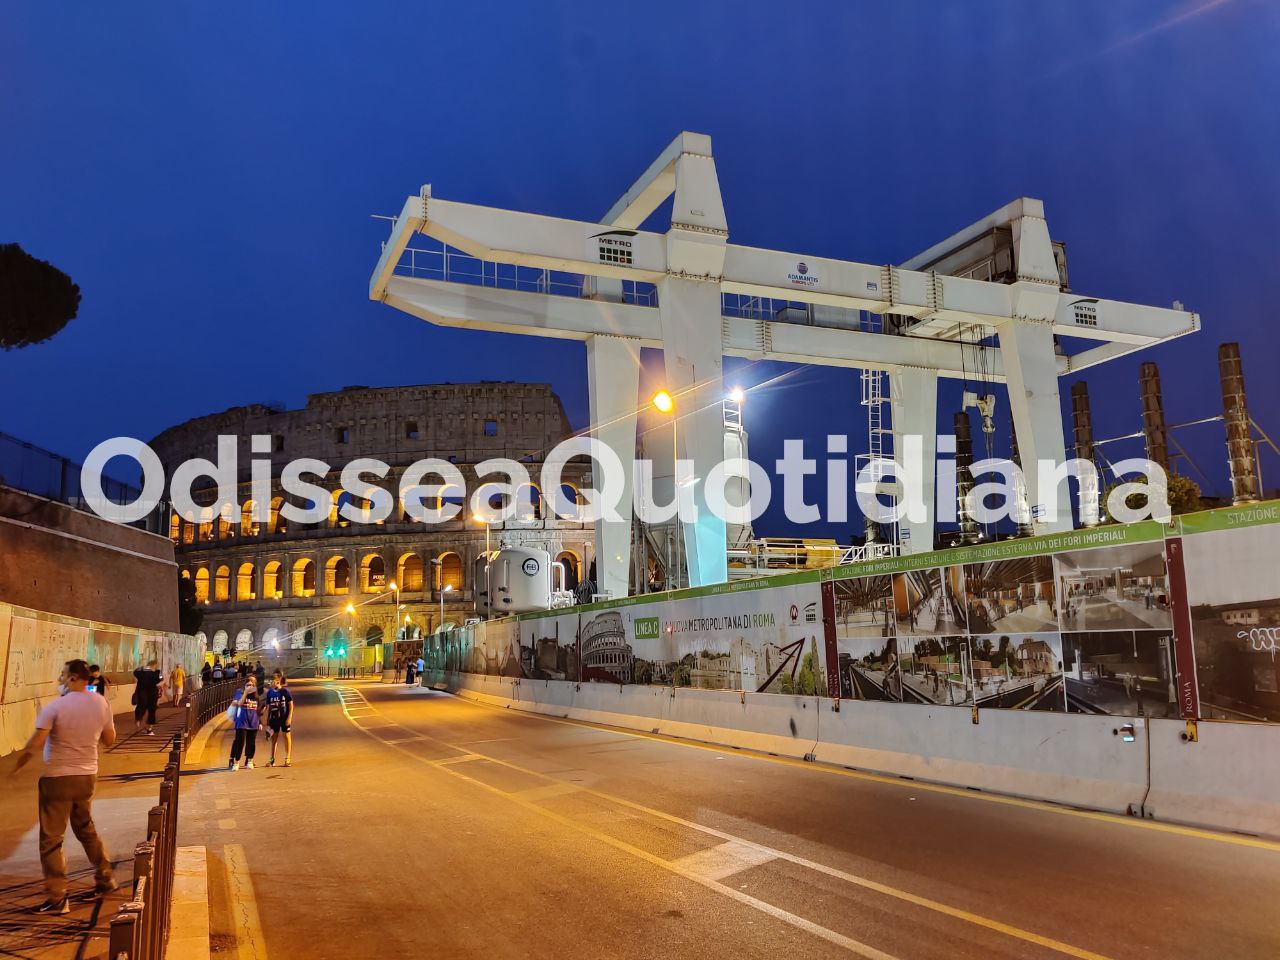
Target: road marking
{"points": [[226, 823], [549, 792], [906, 784], [724, 860], [465, 758], [222, 803], [831, 936], [250, 943]]}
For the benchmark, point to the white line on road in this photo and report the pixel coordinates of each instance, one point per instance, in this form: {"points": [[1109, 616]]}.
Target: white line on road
{"points": [[250, 943], [724, 860], [976, 919]]}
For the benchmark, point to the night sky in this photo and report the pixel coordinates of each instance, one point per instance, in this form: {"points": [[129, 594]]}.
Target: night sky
{"points": [[207, 172]]}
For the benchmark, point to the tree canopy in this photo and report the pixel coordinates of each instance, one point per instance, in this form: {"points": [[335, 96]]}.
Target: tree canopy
{"points": [[36, 298]]}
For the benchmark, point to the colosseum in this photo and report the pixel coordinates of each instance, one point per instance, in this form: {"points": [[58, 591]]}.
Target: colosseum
{"points": [[290, 594]]}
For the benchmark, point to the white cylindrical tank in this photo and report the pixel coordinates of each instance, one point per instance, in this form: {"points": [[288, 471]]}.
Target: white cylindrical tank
{"points": [[520, 580]]}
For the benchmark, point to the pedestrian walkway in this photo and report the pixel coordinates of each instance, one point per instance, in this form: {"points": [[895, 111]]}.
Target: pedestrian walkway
{"points": [[128, 781]]}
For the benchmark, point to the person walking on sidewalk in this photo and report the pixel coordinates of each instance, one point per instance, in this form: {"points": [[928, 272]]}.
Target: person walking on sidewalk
{"points": [[97, 681], [260, 675], [177, 680], [248, 719], [146, 695], [280, 718], [70, 729]]}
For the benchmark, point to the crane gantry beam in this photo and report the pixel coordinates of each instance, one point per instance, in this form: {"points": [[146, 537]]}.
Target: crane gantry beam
{"points": [[692, 266]]}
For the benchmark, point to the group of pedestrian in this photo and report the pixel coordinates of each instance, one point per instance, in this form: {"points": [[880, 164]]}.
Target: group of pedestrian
{"points": [[249, 708]]}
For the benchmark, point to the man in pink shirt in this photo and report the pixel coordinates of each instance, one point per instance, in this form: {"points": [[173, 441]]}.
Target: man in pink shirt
{"points": [[70, 729]]}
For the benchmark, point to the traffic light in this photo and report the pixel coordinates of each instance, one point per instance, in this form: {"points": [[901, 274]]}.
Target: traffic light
{"points": [[342, 650], [328, 651]]}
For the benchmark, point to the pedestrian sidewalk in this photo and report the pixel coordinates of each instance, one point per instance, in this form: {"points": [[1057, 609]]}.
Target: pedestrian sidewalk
{"points": [[128, 787]]}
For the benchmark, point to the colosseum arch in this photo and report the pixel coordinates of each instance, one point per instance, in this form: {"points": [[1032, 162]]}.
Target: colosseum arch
{"points": [[573, 502], [226, 530], [341, 498], [244, 639], [528, 502], [202, 639], [373, 574], [206, 524], [222, 583], [304, 578], [248, 525], [409, 572], [271, 638], [202, 585], [448, 571], [220, 641], [275, 522], [273, 580], [337, 575], [245, 589], [175, 527], [572, 567]]}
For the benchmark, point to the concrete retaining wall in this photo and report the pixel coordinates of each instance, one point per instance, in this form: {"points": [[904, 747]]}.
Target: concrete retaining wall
{"points": [[76, 564], [1225, 781], [34, 645]]}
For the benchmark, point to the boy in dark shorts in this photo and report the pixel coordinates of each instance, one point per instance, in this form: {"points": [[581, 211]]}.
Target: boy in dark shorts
{"points": [[280, 718]]}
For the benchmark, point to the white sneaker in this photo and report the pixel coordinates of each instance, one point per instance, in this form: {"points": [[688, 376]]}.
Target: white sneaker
{"points": [[248, 764], [235, 767]]}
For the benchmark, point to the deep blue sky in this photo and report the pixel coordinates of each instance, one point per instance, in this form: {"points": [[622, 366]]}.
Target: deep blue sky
{"points": [[206, 173]]}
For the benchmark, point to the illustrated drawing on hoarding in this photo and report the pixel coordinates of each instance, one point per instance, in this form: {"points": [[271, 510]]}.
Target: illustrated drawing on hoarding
{"points": [[1113, 588], [1011, 595], [930, 601], [864, 607], [1123, 672]]}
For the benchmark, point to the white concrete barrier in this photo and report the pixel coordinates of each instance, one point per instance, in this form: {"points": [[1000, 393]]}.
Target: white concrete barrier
{"points": [[1224, 782], [1229, 778]]}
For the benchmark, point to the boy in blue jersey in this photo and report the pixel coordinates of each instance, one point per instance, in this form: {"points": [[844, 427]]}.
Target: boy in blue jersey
{"points": [[280, 718]]}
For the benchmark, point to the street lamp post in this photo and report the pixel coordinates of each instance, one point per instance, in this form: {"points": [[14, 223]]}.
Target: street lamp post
{"points": [[664, 403]]}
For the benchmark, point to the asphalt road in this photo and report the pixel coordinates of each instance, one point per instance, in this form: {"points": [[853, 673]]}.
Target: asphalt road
{"points": [[416, 824]]}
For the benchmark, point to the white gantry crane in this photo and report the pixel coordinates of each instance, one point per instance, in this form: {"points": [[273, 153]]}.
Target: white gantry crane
{"points": [[699, 298]]}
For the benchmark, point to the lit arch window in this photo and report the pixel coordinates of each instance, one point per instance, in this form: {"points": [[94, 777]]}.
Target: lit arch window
{"points": [[409, 572], [272, 580], [222, 583], [248, 525], [175, 527], [304, 578], [202, 585], [528, 502], [337, 575], [275, 522], [244, 583], [373, 574], [449, 571], [572, 568]]}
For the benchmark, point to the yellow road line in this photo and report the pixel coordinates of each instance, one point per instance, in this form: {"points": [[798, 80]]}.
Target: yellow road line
{"points": [[904, 783], [691, 873]]}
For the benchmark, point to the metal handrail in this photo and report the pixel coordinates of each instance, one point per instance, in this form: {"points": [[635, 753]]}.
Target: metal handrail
{"points": [[206, 703], [139, 930]]}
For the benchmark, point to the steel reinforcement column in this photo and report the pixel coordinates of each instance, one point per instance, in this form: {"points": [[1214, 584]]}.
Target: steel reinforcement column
{"points": [[1235, 413]]}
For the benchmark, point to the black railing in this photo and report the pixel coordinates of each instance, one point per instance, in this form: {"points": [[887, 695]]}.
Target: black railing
{"points": [[140, 928], [206, 703], [32, 469]]}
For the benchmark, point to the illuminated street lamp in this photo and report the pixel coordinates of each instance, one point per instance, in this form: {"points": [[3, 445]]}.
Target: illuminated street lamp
{"points": [[664, 403]]}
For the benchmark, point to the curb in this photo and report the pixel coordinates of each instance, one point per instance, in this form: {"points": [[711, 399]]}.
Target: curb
{"points": [[189, 922], [202, 736]]}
